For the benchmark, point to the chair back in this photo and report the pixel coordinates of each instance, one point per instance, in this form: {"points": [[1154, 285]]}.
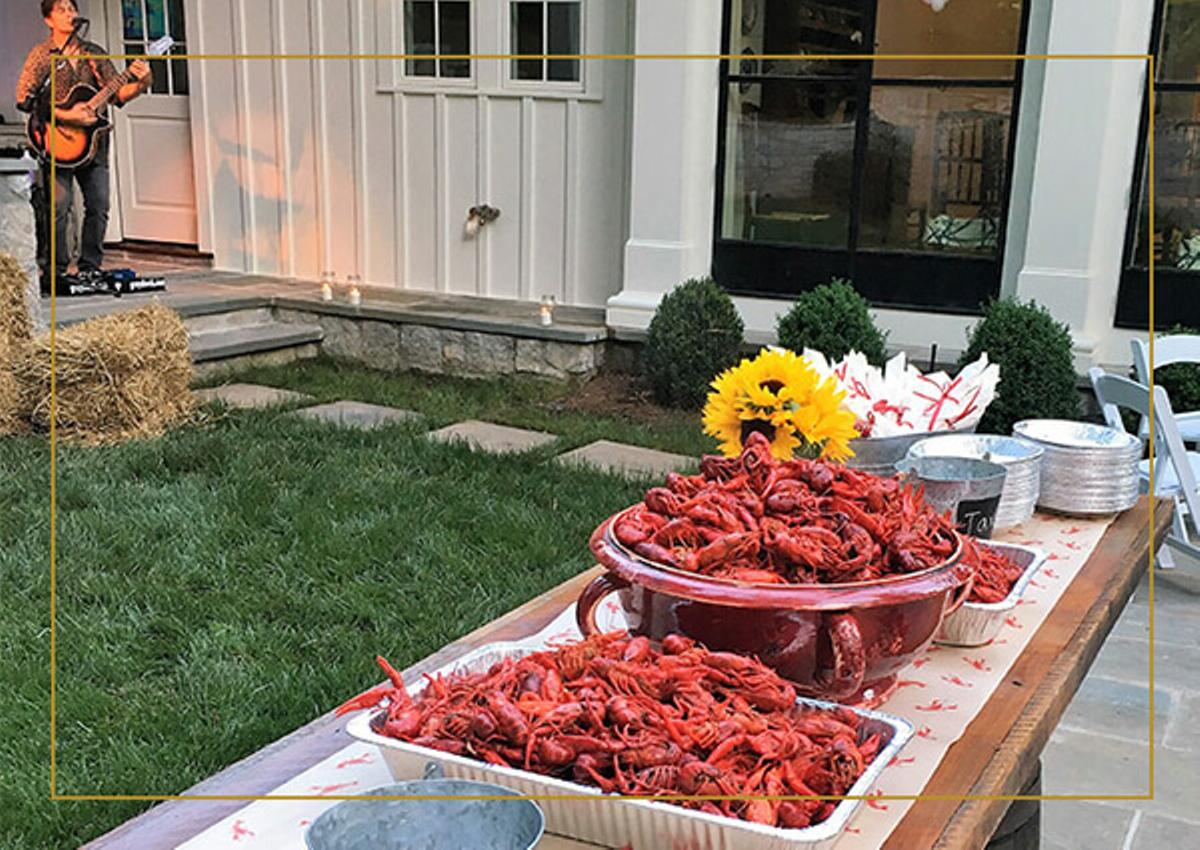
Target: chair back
{"points": [[1172, 348], [1114, 392]]}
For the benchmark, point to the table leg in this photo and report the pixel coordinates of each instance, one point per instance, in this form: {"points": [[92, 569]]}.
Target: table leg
{"points": [[1021, 827]]}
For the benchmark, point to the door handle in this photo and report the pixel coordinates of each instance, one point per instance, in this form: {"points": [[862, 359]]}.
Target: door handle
{"points": [[479, 216]]}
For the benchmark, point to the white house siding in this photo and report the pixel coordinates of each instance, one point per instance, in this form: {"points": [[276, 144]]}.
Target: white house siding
{"points": [[345, 165]]}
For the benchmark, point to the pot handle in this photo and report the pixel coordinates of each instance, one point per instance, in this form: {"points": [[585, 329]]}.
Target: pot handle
{"points": [[585, 608], [849, 660], [959, 595]]}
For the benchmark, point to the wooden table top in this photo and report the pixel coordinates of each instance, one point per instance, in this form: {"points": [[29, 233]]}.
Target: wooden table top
{"points": [[997, 755]]}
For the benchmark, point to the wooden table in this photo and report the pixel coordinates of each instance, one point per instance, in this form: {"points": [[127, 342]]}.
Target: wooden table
{"points": [[997, 755]]}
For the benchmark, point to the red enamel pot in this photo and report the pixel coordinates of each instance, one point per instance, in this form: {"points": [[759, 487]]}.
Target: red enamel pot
{"points": [[841, 642]]}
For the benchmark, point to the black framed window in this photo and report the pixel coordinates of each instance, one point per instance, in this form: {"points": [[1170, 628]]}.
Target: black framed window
{"points": [[437, 27], [552, 27], [1175, 238], [892, 172]]}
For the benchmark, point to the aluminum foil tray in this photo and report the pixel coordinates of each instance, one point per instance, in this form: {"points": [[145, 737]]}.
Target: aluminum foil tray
{"points": [[977, 623], [644, 823], [1086, 469]]}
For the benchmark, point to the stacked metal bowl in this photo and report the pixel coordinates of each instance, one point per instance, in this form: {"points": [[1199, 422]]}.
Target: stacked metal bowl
{"points": [[1086, 469], [1021, 459]]}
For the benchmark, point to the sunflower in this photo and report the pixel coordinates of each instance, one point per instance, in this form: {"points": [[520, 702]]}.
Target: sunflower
{"points": [[779, 395]]}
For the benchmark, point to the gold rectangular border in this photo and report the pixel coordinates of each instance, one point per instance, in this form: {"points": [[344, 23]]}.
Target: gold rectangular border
{"points": [[1150, 151]]}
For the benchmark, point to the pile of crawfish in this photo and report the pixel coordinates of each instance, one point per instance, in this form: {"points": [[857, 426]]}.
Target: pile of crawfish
{"points": [[995, 574], [755, 519], [613, 712]]}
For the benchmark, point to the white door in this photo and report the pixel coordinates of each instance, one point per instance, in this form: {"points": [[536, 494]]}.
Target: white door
{"points": [[154, 189]]}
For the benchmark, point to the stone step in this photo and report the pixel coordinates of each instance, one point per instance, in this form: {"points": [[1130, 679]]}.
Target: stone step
{"points": [[250, 396], [357, 414], [630, 461], [255, 339], [228, 320], [490, 437]]}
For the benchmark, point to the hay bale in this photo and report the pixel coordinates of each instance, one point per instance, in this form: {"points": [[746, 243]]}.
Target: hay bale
{"points": [[14, 336], [118, 377], [14, 314], [11, 419]]}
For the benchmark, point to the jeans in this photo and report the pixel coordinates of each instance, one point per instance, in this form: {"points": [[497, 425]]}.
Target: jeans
{"points": [[93, 183]]}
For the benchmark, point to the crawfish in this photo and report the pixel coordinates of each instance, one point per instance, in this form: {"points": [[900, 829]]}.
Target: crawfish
{"points": [[662, 501], [731, 547], [637, 526], [510, 722]]}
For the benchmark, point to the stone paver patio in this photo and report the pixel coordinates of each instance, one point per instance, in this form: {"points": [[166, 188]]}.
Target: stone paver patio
{"points": [[623, 459], [357, 414], [1100, 746], [249, 396], [490, 437]]}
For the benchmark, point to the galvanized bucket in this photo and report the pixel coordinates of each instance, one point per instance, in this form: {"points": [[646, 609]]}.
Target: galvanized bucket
{"points": [[968, 487], [442, 824]]}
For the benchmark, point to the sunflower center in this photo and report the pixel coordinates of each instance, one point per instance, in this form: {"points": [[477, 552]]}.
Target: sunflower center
{"points": [[772, 386], [757, 426]]}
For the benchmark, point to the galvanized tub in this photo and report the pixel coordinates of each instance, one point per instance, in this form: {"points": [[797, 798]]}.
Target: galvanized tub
{"points": [[879, 455], [433, 824]]}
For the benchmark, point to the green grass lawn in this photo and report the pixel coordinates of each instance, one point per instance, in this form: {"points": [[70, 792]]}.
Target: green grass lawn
{"points": [[222, 586]]}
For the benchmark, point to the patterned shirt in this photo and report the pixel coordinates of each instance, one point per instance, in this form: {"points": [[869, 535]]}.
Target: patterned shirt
{"points": [[94, 72]]}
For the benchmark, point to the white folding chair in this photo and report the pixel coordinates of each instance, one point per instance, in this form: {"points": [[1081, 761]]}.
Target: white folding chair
{"points": [[1176, 470], [1173, 348]]}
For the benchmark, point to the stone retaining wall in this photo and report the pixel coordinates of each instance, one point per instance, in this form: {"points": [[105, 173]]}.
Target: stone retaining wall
{"points": [[403, 345]]}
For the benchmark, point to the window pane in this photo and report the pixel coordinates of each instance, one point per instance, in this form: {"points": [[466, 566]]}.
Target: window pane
{"points": [[156, 19], [758, 27], [1179, 56], [161, 84], [454, 22], [1176, 235], [527, 39], [961, 26], [418, 36], [179, 72], [563, 25], [935, 169], [789, 151], [175, 20], [131, 13]]}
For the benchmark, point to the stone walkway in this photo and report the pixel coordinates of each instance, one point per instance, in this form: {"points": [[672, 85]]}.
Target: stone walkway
{"points": [[1100, 746]]}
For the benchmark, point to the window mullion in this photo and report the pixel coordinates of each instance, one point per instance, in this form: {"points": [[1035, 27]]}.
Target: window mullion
{"points": [[545, 39], [862, 126], [437, 39]]}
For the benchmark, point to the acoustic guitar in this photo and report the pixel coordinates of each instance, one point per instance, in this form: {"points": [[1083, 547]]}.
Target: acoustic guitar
{"points": [[74, 147]]}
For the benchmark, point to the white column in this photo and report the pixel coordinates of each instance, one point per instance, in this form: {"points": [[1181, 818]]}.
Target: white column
{"points": [[1087, 141], [673, 151]]}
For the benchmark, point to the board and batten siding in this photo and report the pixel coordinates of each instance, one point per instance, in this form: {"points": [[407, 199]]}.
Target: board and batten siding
{"points": [[346, 165]]}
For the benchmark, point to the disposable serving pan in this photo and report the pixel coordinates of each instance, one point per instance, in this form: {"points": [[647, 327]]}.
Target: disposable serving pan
{"points": [[976, 623], [643, 823]]}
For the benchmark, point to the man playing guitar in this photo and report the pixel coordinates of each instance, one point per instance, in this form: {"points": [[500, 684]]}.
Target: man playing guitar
{"points": [[62, 18]]}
